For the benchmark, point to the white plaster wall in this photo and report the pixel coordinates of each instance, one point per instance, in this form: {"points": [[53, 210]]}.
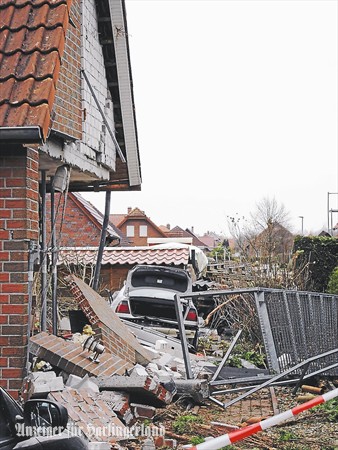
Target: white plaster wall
{"points": [[96, 143]]}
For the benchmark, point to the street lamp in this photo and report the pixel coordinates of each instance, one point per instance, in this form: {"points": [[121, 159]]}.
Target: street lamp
{"points": [[330, 211], [302, 219]]}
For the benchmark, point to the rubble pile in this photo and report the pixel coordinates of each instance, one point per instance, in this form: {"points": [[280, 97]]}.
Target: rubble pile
{"points": [[115, 398]]}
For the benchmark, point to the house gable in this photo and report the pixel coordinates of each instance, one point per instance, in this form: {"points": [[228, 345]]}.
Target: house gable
{"points": [[66, 86], [137, 227], [81, 223]]}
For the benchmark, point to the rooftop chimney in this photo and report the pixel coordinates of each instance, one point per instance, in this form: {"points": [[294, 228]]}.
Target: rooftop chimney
{"points": [[129, 209]]}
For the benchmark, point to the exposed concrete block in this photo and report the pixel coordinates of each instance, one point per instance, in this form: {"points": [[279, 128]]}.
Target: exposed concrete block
{"points": [[198, 389], [165, 360], [41, 383], [142, 389]]}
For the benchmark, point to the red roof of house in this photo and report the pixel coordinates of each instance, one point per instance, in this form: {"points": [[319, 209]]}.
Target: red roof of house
{"points": [[32, 40], [131, 256]]}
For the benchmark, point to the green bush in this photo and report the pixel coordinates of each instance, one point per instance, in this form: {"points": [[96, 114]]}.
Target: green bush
{"points": [[320, 256], [332, 287]]}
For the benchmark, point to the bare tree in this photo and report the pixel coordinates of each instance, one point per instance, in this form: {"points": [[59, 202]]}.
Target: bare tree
{"points": [[265, 240]]}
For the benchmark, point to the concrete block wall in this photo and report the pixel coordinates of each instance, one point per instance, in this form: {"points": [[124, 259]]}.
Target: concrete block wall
{"points": [[19, 224], [96, 139]]}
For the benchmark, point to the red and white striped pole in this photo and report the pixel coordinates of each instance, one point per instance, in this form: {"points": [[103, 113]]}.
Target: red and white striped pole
{"points": [[237, 435]]}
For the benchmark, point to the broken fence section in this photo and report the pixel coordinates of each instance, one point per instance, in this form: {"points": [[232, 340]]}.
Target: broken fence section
{"points": [[295, 325]]}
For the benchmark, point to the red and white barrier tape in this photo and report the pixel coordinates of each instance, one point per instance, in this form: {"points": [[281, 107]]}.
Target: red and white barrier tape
{"points": [[233, 436]]}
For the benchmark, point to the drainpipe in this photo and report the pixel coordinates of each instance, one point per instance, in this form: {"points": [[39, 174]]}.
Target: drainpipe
{"points": [[43, 324], [33, 255], [54, 260], [102, 242]]}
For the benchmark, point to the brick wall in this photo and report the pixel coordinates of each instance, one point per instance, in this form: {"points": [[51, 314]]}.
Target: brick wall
{"points": [[115, 335], [18, 224], [77, 229], [68, 102]]}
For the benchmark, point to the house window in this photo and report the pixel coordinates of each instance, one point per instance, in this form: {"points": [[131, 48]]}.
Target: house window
{"points": [[143, 231], [130, 231]]}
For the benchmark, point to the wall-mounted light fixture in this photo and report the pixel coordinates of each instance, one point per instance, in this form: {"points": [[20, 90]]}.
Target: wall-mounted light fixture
{"points": [[61, 178], [93, 345]]}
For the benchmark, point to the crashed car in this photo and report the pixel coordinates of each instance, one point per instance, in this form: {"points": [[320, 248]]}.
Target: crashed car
{"points": [[148, 297], [40, 424]]}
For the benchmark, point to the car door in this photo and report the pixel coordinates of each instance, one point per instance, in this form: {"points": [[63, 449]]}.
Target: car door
{"points": [[9, 412]]}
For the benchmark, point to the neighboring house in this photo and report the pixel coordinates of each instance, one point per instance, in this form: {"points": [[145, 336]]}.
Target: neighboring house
{"points": [[66, 89], [137, 227], [211, 239], [81, 224], [273, 244], [178, 232]]}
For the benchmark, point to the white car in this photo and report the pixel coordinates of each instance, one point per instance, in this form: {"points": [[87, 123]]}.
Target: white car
{"points": [[148, 297]]}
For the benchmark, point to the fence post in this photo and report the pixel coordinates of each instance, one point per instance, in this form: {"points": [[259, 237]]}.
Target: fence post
{"points": [[269, 343]]}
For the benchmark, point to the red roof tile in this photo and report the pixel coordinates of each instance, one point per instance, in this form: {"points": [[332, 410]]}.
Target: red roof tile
{"points": [[32, 40], [130, 256]]}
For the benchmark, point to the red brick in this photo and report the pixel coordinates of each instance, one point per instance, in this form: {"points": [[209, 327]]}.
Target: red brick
{"points": [[4, 277], [4, 318], [4, 298], [4, 256], [14, 288], [14, 309], [15, 204]]}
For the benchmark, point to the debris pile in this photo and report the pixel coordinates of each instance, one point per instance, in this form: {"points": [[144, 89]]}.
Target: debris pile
{"points": [[116, 379]]}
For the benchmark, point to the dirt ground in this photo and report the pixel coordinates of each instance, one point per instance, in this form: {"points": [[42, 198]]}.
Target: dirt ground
{"points": [[312, 430], [315, 429]]}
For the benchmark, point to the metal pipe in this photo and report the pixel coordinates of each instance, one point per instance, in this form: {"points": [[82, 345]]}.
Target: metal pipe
{"points": [[183, 337], [112, 135], [43, 324], [32, 256], [54, 260], [279, 376], [102, 242], [226, 356]]}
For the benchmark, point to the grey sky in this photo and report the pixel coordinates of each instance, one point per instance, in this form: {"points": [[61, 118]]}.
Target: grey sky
{"points": [[235, 101]]}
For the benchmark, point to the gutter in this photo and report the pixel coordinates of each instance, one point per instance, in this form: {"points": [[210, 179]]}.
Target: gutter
{"points": [[20, 135]]}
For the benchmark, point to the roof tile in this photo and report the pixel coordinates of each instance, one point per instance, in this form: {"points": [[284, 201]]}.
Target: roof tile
{"points": [[27, 91], [27, 41], [37, 65], [32, 17], [130, 256], [32, 40], [25, 115]]}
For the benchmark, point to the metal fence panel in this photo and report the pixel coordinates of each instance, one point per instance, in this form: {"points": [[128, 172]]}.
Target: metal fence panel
{"points": [[302, 325]]}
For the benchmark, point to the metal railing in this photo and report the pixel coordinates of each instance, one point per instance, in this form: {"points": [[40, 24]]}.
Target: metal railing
{"points": [[295, 325]]}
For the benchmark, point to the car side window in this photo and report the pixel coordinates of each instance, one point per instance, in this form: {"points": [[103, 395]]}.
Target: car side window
{"points": [[5, 431]]}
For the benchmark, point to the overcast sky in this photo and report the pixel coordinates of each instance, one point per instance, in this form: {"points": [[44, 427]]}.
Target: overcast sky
{"points": [[235, 101]]}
